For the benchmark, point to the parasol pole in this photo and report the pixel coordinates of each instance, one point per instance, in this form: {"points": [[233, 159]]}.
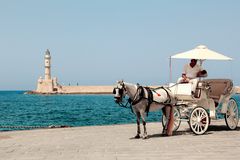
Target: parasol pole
{"points": [[201, 61], [170, 69]]}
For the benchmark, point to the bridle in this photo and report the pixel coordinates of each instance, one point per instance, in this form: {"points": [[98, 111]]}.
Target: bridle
{"points": [[121, 90], [129, 102]]}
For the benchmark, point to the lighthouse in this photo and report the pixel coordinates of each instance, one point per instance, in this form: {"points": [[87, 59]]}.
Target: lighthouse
{"points": [[47, 84], [47, 60]]}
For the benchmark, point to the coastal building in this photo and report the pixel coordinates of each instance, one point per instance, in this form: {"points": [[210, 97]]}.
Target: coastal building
{"points": [[49, 85]]}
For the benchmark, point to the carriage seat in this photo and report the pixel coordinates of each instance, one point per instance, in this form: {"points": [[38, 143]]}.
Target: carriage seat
{"points": [[181, 91], [218, 87]]}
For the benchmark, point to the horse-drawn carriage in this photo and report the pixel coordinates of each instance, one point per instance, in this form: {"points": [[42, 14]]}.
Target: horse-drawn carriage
{"points": [[211, 99]]}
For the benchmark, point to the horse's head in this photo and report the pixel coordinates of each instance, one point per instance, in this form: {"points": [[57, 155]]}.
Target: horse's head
{"points": [[119, 92]]}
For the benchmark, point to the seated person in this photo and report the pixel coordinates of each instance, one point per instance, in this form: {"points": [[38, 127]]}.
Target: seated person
{"points": [[190, 73]]}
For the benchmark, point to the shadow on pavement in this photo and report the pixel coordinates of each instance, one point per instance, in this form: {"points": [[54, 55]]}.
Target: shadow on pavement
{"points": [[217, 128], [221, 128]]}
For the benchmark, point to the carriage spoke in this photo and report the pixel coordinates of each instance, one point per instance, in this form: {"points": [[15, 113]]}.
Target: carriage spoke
{"points": [[201, 114], [232, 118], [195, 126], [194, 118], [175, 114], [175, 123], [203, 117], [194, 123]]}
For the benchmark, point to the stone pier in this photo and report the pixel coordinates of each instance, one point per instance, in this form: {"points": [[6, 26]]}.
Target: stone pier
{"points": [[115, 142]]}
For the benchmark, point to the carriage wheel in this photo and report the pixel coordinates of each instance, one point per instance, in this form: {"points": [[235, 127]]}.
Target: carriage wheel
{"points": [[232, 117], [199, 120], [177, 120]]}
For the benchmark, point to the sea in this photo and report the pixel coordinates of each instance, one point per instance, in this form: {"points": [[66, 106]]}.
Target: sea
{"points": [[19, 110]]}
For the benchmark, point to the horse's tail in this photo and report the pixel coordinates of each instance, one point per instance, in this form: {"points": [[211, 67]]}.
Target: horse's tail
{"points": [[170, 122]]}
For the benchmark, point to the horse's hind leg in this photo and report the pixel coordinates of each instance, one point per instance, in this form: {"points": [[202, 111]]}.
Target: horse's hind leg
{"points": [[164, 131], [138, 125]]}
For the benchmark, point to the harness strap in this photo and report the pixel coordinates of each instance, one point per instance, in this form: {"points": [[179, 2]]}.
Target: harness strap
{"points": [[138, 96], [150, 99], [169, 99]]}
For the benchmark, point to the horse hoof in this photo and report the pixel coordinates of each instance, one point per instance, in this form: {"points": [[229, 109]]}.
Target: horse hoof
{"points": [[164, 132], [145, 137], [137, 136]]}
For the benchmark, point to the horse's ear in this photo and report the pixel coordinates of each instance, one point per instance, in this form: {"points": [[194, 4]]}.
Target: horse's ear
{"points": [[114, 91], [120, 82]]}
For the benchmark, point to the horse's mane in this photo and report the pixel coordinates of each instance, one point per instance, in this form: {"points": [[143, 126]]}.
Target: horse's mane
{"points": [[130, 84]]}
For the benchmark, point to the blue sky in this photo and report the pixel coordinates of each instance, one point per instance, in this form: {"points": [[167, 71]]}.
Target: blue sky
{"points": [[97, 42]]}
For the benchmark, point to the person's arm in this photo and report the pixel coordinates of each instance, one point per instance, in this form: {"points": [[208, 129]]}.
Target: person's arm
{"points": [[202, 72], [184, 73]]}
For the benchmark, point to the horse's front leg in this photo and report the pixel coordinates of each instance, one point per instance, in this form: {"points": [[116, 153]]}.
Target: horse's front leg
{"points": [[138, 125], [145, 136]]}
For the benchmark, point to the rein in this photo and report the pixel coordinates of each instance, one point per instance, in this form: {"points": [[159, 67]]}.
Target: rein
{"points": [[126, 105]]}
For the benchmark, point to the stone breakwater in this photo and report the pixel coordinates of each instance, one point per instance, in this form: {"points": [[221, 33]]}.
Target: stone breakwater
{"points": [[79, 90], [88, 89]]}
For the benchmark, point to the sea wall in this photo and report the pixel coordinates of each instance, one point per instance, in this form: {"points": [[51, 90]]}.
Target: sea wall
{"points": [[87, 89], [78, 90]]}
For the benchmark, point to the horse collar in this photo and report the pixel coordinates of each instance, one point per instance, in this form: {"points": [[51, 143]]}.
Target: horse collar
{"points": [[139, 95]]}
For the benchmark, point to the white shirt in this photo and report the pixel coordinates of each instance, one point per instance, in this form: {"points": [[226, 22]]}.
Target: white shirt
{"points": [[191, 72]]}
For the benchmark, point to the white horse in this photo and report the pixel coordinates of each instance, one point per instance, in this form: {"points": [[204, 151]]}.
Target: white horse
{"points": [[142, 100]]}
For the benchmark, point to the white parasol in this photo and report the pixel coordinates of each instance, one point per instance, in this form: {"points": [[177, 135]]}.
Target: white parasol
{"points": [[201, 53]]}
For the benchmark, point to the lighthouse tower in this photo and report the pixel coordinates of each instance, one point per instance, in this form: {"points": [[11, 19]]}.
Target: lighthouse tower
{"points": [[47, 61], [47, 84]]}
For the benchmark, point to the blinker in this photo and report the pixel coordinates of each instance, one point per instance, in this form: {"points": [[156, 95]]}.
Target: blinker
{"points": [[114, 91], [120, 91]]}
